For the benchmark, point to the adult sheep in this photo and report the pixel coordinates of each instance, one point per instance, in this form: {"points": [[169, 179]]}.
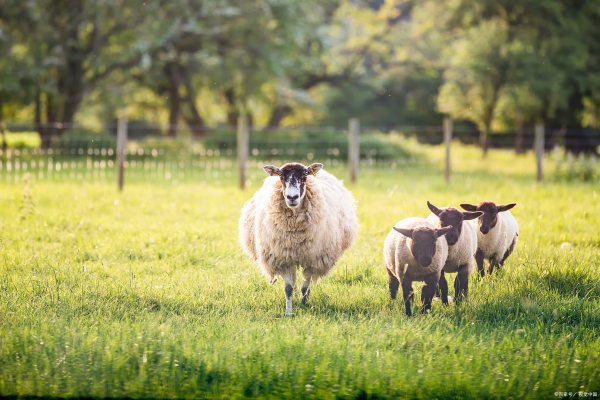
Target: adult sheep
{"points": [[300, 217], [498, 233]]}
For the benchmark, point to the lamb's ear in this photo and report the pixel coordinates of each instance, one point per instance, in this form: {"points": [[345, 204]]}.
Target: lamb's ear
{"points": [[506, 207], [434, 209], [468, 207], [404, 231], [442, 231], [471, 215], [314, 168], [272, 170]]}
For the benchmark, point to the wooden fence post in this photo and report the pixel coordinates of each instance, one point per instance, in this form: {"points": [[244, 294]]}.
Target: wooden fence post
{"points": [[539, 150], [448, 143], [243, 143], [353, 148], [121, 150]]}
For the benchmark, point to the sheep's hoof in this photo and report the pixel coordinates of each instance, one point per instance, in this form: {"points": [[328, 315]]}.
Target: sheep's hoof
{"points": [[289, 314]]}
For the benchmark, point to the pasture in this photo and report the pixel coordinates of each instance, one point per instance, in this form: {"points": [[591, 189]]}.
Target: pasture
{"points": [[147, 294]]}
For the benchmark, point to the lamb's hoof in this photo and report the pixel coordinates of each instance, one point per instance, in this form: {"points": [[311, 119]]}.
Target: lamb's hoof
{"points": [[289, 314]]}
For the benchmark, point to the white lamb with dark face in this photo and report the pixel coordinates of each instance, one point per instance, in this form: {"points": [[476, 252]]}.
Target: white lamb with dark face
{"points": [[497, 235], [413, 251], [300, 217], [462, 246]]}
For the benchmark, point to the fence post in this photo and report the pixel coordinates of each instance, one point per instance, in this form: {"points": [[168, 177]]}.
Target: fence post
{"points": [[447, 143], [243, 142], [121, 150], [539, 150], [353, 148]]}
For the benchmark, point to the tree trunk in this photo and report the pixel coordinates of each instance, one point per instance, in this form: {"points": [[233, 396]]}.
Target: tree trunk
{"points": [[277, 115], [232, 111], [174, 99], [194, 120], [2, 132], [46, 129], [520, 139], [484, 140]]}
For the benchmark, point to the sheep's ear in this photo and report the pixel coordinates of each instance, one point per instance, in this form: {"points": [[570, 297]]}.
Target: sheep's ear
{"points": [[471, 215], [405, 232], [272, 170], [434, 209], [468, 207], [506, 207], [314, 168], [442, 231]]}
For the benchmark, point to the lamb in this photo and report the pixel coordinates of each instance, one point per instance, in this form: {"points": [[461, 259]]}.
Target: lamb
{"points": [[462, 246], [301, 216], [412, 252], [497, 236]]}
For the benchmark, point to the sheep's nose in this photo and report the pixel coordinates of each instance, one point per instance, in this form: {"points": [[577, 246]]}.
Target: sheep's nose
{"points": [[292, 198], [484, 230]]}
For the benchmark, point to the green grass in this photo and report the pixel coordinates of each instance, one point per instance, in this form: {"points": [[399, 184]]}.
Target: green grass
{"points": [[147, 294]]}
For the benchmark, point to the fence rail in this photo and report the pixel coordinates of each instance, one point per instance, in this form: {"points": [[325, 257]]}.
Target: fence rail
{"points": [[217, 155]]}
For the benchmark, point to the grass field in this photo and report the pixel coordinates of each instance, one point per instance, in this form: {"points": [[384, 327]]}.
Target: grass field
{"points": [[147, 294]]}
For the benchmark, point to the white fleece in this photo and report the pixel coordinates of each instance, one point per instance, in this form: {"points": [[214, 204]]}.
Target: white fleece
{"points": [[313, 236]]}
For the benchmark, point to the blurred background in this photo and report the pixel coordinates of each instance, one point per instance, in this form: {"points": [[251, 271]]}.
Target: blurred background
{"points": [[184, 71]]}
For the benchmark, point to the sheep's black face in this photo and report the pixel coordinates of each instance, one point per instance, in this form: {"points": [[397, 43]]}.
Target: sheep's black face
{"points": [[293, 179], [489, 219], [423, 244], [490, 210], [453, 217]]}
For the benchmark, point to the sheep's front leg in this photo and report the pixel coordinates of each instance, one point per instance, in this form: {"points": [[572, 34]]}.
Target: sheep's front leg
{"points": [[461, 283], [407, 293], [393, 284], [306, 280], [493, 264], [428, 291], [289, 279], [443, 288], [479, 260]]}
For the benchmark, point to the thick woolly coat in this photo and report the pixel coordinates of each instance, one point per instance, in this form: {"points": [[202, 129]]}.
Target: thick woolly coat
{"points": [[499, 239], [314, 236], [463, 251], [397, 255]]}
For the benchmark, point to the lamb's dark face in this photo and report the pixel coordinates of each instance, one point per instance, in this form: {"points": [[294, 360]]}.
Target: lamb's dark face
{"points": [[423, 244], [490, 210], [454, 218], [293, 179]]}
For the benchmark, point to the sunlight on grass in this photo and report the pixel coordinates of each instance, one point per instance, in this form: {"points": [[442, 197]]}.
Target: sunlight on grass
{"points": [[147, 294]]}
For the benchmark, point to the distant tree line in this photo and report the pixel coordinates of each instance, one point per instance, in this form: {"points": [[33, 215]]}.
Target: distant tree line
{"points": [[195, 64]]}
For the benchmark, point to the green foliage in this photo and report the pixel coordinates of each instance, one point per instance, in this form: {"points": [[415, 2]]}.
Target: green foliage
{"points": [[23, 140], [200, 63]]}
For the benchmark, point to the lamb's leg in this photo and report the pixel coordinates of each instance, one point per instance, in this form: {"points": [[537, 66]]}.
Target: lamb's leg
{"points": [[393, 284], [407, 294], [479, 260], [289, 281], [443, 287], [428, 291], [306, 280], [461, 283]]}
